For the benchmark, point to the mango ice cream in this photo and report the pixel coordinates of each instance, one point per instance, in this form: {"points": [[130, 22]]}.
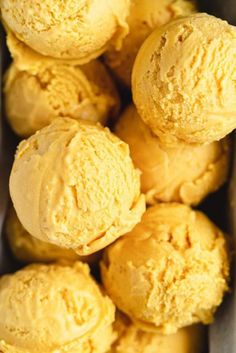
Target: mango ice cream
{"points": [[170, 271], [73, 184], [181, 173], [77, 29], [183, 80], [54, 308]]}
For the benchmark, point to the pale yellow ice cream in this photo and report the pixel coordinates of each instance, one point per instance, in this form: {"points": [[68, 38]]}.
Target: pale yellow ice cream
{"points": [[183, 80], [145, 15], [132, 340], [30, 249], [27, 59], [54, 309], [73, 184], [170, 271], [182, 173], [33, 98], [76, 29]]}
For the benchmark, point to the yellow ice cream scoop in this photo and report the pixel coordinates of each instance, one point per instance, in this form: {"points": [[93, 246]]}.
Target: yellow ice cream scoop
{"points": [[170, 271], [34, 99], [145, 15], [76, 29], [73, 184], [183, 173], [55, 308], [130, 339], [183, 80], [30, 249]]}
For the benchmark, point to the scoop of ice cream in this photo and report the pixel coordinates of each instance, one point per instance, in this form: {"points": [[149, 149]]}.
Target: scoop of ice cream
{"points": [[145, 15], [54, 308], [80, 30], [33, 100], [170, 271], [182, 173], [183, 80], [73, 184], [132, 340], [30, 249]]}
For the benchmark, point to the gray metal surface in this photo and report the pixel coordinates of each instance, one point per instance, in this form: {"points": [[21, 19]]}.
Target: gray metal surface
{"points": [[222, 333], [7, 145]]}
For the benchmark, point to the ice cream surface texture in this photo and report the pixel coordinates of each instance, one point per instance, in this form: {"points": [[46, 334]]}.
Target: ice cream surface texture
{"points": [[30, 249], [73, 184], [182, 173], [170, 271], [54, 309], [132, 340], [76, 29], [145, 15], [183, 80], [34, 99]]}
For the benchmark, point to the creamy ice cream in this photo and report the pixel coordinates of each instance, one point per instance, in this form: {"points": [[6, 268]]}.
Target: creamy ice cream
{"points": [[145, 15], [73, 184], [27, 59], [132, 340], [170, 271], [80, 30], [182, 173], [183, 80], [30, 249], [35, 97], [54, 308]]}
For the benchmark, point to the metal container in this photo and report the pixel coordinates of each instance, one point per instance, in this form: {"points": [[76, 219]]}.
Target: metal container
{"points": [[220, 206]]}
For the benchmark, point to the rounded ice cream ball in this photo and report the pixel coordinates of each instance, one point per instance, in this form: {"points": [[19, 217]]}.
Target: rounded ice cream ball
{"points": [[54, 308], [131, 339], [145, 15], [80, 30], [34, 99], [170, 271], [29, 249], [183, 172], [73, 184], [183, 80]]}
